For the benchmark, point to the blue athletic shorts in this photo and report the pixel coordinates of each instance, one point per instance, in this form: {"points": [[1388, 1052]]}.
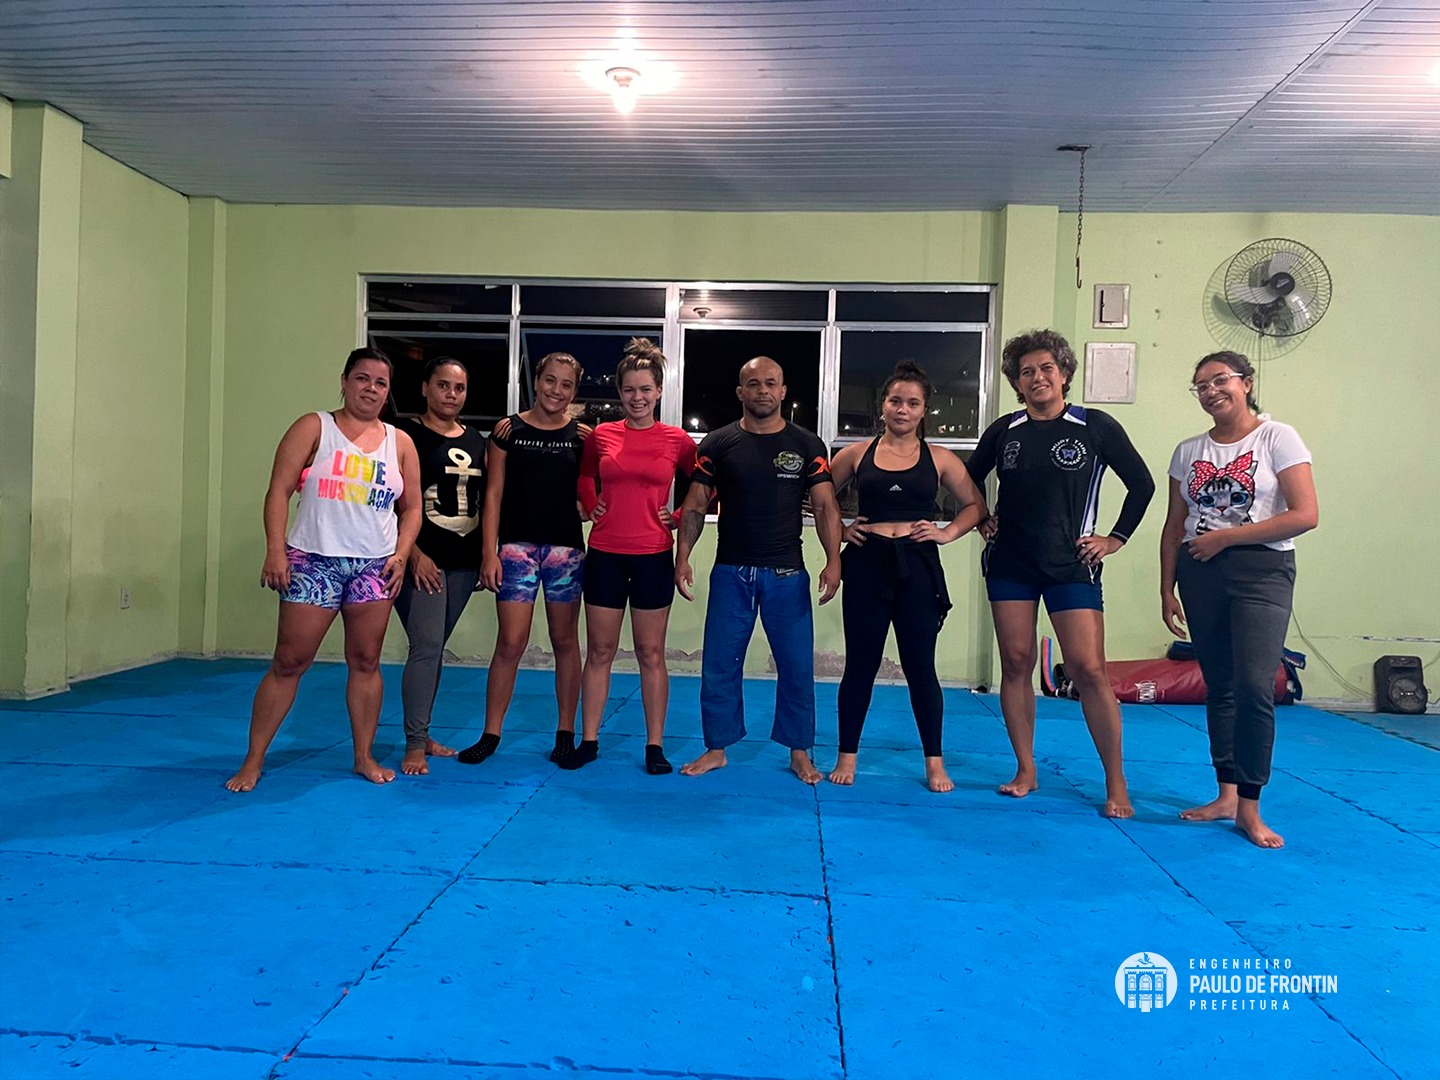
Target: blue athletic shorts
{"points": [[1058, 595]]}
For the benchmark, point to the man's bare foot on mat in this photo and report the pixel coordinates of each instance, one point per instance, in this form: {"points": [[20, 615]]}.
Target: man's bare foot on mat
{"points": [[709, 761], [804, 768]]}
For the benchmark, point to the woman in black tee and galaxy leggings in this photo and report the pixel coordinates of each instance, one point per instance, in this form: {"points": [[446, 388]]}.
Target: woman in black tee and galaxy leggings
{"points": [[533, 545], [891, 565], [1049, 459]]}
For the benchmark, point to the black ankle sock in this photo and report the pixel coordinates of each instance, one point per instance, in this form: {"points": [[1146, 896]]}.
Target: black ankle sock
{"points": [[586, 752], [655, 763], [564, 745], [473, 755]]}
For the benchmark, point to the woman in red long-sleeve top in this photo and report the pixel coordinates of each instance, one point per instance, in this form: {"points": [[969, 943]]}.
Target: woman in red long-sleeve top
{"points": [[627, 472]]}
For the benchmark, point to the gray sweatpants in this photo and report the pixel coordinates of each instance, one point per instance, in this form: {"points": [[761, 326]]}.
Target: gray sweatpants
{"points": [[429, 619], [1237, 606]]}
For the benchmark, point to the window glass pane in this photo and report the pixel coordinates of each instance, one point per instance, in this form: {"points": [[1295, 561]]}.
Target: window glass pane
{"points": [[713, 359], [458, 298], [599, 349], [486, 358], [911, 306], [447, 324], [950, 359], [589, 301], [755, 305], [850, 502]]}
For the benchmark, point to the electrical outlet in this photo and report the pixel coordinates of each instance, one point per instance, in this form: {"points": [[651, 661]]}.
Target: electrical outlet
{"points": [[124, 598]]}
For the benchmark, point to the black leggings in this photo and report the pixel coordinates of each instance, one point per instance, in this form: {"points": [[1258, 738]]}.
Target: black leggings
{"points": [[1237, 606], [900, 582]]}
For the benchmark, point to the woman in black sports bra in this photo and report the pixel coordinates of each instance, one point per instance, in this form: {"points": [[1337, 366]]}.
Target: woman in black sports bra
{"points": [[891, 565]]}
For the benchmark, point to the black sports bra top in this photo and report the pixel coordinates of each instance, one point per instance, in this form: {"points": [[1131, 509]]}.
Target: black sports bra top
{"points": [[903, 495]]}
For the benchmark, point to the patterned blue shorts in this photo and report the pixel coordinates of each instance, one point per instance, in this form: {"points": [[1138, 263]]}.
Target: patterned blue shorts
{"points": [[333, 581], [526, 567]]}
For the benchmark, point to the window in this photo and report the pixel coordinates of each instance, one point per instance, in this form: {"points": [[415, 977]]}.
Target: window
{"points": [[837, 345], [599, 350], [951, 360], [713, 359]]}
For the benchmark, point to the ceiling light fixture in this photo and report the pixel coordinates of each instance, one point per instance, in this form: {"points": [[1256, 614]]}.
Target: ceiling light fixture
{"points": [[624, 88]]}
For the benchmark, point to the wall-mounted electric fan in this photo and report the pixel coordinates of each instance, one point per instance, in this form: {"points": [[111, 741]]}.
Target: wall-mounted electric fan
{"points": [[1277, 287]]}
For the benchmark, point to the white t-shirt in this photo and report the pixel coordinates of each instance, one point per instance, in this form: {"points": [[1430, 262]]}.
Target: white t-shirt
{"points": [[1230, 484]]}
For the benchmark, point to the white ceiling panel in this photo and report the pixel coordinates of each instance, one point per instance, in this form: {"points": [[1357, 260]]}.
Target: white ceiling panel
{"points": [[776, 104]]}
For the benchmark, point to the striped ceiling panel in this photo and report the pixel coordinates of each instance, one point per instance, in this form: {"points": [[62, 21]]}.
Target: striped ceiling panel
{"points": [[774, 104]]}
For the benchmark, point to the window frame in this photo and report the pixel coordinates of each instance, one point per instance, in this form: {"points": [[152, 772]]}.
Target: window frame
{"points": [[672, 328]]}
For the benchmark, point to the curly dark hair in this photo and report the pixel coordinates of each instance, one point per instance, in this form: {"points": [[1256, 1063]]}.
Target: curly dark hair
{"points": [[1037, 341], [1238, 363]]}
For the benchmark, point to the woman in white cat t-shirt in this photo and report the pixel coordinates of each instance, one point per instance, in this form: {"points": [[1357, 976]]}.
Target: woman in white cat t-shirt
{"points": [[1239, 495]]}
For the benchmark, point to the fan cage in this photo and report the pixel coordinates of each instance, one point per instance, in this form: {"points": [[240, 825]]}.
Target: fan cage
{"points": [[1308, 270]]}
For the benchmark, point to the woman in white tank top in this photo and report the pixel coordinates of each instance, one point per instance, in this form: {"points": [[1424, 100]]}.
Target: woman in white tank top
{"points": [[345, 553]]}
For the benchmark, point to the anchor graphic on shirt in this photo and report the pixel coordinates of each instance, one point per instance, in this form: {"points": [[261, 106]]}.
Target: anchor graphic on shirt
{"points": [[464, 522]]}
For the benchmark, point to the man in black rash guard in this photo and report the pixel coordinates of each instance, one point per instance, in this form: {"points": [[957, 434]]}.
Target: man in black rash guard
{"points": [[1049, 459], [761, 467]]}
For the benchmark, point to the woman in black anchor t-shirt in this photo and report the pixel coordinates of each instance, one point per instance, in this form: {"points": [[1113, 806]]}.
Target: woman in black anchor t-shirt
{"points": [[444, 567]]}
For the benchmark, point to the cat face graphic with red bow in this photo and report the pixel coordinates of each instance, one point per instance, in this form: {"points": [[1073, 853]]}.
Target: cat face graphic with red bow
{"points": [[1224, 495]]}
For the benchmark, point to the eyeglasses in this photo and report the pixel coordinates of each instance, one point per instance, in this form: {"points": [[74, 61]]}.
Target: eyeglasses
{"points": [[1219, 382]]}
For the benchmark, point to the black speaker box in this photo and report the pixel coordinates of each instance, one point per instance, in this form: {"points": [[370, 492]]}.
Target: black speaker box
{"points": [[1400, 685]]}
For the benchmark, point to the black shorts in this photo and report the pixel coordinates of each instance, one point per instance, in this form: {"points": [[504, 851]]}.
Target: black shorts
{"points": [[646, 581]]}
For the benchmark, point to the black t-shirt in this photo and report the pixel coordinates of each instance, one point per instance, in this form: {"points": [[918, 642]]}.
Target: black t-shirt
{"points": [[761, 481], [1049, 473], [452, 483], [542, 469]]}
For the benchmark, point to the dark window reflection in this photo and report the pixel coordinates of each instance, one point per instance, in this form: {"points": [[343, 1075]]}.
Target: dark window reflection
{"points": [[911, 306], [755, 305], [599, 350], [438, 297], [592, 301], [951, 360], [713, 359], [486, 358]]}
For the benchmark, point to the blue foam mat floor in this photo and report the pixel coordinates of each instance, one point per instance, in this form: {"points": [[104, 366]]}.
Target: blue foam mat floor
{"points": [[514, 920]]}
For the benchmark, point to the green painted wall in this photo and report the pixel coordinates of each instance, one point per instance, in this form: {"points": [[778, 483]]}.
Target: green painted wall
{"points": [[291, 315], [1349, 385], [39, 269], [198, 331], [6, 114], [1355, 386], [129, 417]]}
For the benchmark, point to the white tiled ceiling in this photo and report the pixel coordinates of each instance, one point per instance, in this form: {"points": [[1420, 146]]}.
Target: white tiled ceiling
{"points": [[1318, 105]]}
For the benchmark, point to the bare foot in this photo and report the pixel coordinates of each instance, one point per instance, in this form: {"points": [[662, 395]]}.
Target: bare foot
{"points": [[844, 771], [804, 768], [709, 761], [245, 779], [936, 778], [1221, 808], [1024, 783], [1117, 800], [414, 763], [373, 771], [435, 749], [1247, 820]]}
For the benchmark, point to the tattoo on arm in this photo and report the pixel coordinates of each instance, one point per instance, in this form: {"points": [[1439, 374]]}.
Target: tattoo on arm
{"points": [[691, 524]]}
